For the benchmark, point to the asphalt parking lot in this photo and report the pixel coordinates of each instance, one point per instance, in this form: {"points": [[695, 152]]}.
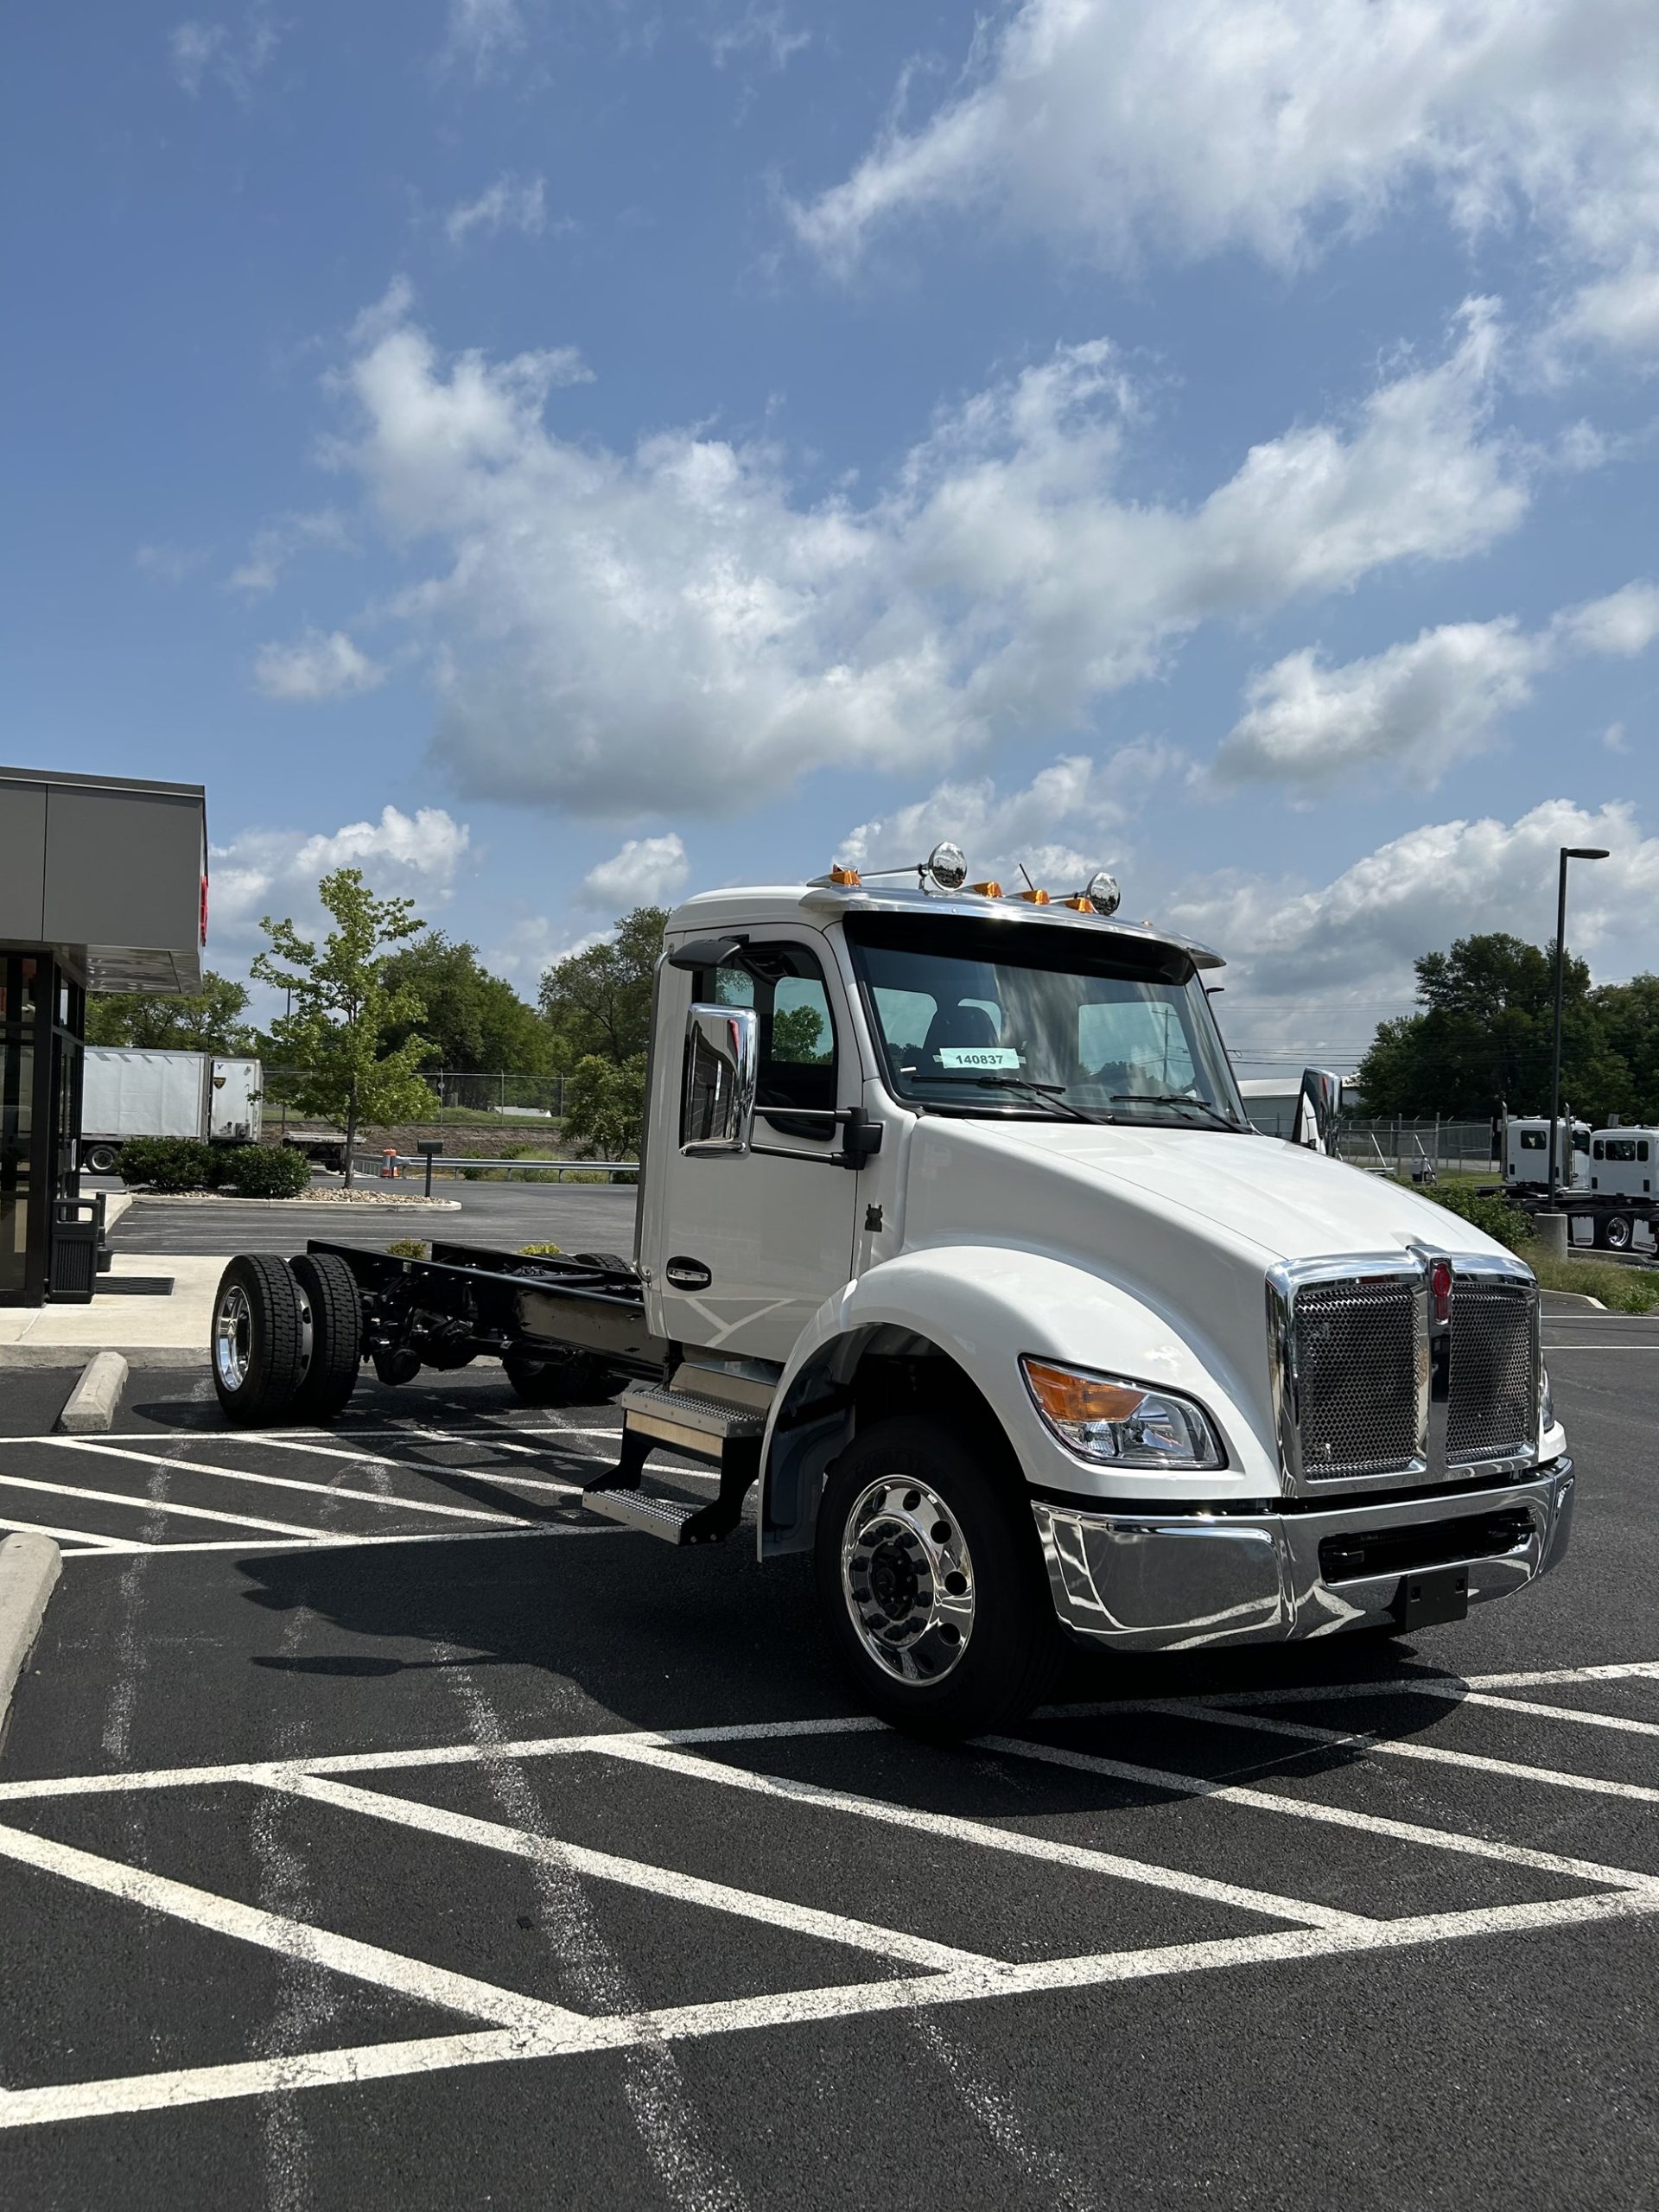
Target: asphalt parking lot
{"points": [[379, 1828], [580, 1217]]}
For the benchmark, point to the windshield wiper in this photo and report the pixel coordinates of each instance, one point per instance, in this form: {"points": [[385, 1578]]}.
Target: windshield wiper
{"points": [[1051, 1095], [1218, 1119]]}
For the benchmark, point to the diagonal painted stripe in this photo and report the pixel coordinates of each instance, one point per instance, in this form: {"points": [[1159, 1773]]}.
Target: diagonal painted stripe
{"points": [[367, 2062], [289, 1482], [983, 1834], [635, 1874], [1431, 1754], [293, 1939], [1268, 1801], [535, 1531], [119, 1546], [142, 1504]]}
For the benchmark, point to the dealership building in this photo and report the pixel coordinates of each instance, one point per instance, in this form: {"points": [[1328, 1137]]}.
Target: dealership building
{"points": [[103, 888]]}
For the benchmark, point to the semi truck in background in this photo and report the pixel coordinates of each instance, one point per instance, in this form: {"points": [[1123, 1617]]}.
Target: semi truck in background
{"points": [[128, 1092], [957, 1249]]}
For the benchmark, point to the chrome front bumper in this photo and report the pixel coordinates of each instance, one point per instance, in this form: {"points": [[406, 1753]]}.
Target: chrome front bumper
{"points": [[1146, 1581]]}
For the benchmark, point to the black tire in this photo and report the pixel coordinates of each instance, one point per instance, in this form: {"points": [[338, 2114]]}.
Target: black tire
{"points": [[255, 1348], [1599, 1231], [1621, 1232], [1010, 1657], [329, 1289], [565, 1379], [100, 1158]]}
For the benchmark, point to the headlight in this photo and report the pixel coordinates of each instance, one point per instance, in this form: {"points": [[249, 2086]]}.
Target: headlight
{"points": [[1546, 1404], [1121, 1424]]}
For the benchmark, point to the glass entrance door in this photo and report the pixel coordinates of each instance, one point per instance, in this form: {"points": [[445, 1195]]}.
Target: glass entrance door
{"points": [[42, 1027]]}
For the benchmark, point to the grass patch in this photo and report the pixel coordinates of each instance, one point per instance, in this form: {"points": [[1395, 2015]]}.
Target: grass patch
{"points": [[1621, 1290]]}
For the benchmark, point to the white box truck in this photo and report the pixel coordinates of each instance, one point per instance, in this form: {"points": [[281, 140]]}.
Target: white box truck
{"points": [[130, 1093], [956, 1247]]}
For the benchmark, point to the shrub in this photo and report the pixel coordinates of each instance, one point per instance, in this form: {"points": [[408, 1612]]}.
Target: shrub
{"points": [[168, 1163], [408, 1248], [266, 1171], [539, 1251], [1621, 1290]]}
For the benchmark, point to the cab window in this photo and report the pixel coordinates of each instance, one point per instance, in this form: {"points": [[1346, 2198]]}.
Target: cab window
{"points": [[785, 985]]}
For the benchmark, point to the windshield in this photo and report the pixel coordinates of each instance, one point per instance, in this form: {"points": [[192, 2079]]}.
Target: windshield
{"points": [[991, 1018]]}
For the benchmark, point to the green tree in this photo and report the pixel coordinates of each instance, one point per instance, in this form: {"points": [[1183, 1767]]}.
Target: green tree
{"points": [[343, 1007], [1484, 1037], [604, 1106], [598, 1003], [1629, 1017], [475, 1021], [207, 1020]]}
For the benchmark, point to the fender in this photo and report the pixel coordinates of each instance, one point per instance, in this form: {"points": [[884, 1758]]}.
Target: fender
{"points": [[982, 1306]]}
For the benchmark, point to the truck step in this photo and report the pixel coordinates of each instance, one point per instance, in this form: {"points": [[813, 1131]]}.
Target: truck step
{"points": [[671, 1518], [700, 1427]]}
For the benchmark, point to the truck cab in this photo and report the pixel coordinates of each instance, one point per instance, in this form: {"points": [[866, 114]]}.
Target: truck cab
{"points": [[955, 1246], [1526, 1154]]}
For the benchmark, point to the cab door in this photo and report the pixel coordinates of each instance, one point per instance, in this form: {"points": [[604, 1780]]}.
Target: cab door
{"points": [[744, 1248]]}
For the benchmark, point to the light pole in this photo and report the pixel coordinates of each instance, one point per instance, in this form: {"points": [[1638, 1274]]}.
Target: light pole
{"points": [[1568, 853]]}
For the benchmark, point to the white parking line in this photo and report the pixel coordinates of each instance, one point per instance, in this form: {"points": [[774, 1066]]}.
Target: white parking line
{"points": [[528, 2028], [145, 1504], [1396, 1748], [74, 1536], [272, 1931], [1341, 1816], [284, 1482], [380, 2062], [633, 1873], [981, 1833]]}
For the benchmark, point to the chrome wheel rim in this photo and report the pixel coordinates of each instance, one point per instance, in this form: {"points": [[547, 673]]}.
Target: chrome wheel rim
{"points": [[233, 1338], [907, 1580]]}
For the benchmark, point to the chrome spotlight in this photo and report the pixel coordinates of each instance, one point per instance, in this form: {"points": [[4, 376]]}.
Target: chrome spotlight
{"points": [[948, 866], [1103, 894]]}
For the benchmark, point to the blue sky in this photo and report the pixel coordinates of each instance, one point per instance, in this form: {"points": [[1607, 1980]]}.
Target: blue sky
{"points": [[651, 448]]}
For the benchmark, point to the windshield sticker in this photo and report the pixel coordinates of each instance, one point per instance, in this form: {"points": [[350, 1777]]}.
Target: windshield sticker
{"points": [[978, 1055]]}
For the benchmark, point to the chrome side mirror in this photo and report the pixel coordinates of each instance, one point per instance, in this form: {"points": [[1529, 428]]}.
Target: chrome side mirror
{"points": [[722, 1060], [1318, 1110]]}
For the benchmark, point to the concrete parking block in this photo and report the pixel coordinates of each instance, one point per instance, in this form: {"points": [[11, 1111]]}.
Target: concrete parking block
{"points": [[92, 1405], [28, 1568]]}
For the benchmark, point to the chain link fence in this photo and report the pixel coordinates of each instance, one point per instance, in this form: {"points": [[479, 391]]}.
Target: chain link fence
{"points": [[460, 1096]]}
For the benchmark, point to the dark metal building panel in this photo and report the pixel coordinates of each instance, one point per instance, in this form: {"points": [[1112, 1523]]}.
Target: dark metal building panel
{"points": [[23, 861], [111, 874]]}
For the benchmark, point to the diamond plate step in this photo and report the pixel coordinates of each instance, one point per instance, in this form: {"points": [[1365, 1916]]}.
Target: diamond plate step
{"points": [[656, 1516], [699, 1426]]}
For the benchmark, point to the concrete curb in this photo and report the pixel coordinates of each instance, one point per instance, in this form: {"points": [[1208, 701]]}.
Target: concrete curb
{"points": [[1577, 1297], [136, 1356], [92, 1404], [30, 1565]]}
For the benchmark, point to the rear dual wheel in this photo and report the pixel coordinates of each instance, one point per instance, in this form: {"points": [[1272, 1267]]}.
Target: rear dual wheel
{"points": [[287, 1338]]}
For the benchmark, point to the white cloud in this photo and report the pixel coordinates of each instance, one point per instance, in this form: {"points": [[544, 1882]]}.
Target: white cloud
{"points": [[508, 205], [198, 52], [647, 872], [678, 619], [315, 667], [1619, 312], [1319, 967], [278, 544], [534, 943], [1061, 827], [167, 563], [277, 871], [1418, 709], [759, 30], [1114, 126], [482, 32]]}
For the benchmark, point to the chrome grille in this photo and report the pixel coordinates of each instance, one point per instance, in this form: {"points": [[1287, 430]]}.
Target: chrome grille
{"points": [[1492, 1390], [1361, 1358]]}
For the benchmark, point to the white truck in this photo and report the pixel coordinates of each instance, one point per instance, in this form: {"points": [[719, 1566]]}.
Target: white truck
{"points": [[1526, 1154], [954, 1244], [127, 1092]]}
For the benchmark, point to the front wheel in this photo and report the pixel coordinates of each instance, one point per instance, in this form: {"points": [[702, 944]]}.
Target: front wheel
{"points": [[1621, 1233], [930, 1582]]}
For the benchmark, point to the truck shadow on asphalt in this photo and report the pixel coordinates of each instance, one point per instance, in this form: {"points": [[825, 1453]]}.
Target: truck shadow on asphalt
{"points": [[617, 1631]]}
